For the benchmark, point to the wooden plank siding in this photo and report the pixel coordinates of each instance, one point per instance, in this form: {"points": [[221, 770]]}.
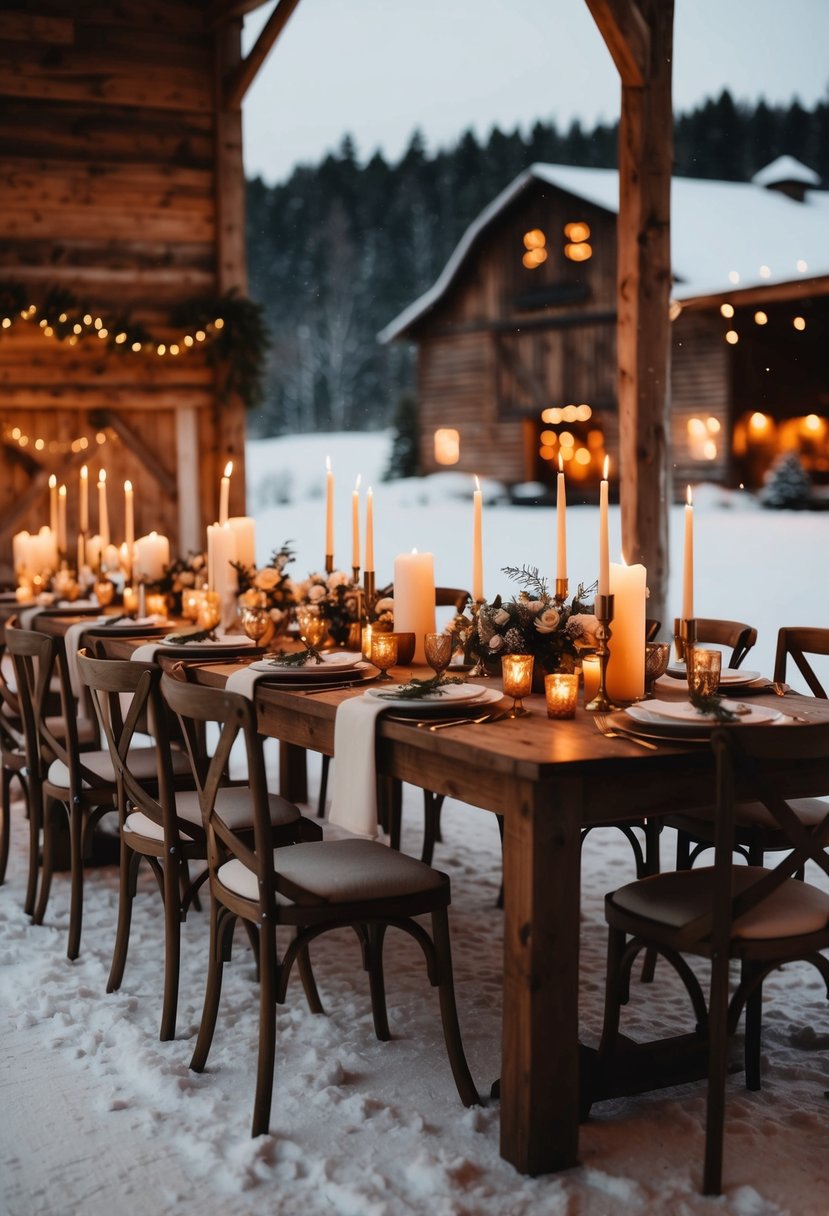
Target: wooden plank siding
{"points": [[112, 149], [700, 389]]}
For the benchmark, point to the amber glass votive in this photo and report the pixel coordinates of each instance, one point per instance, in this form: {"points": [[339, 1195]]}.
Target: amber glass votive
{"points": [[591, 670], [384, 652], [131, 601], [365, 646], [561, 691], [517, 672]]}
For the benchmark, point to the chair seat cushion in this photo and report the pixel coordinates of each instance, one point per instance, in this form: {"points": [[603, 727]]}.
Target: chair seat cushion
{"points": [[87, 730], [676, 899], [141, 761], [142, 825], [340, 872], [234, 808]]}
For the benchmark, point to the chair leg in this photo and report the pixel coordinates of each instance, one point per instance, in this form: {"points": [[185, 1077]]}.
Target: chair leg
{"points": [[50, 811], [175, 875], [73, 947], [309, 984], [213, 988], [717, 1067], [377, 985], [326, 764], [266, 1057], [5, 822], [128, 876], [432, 804], [753, 1033], [449, 1010], [652, 866], [34, 803], [615, 991]]}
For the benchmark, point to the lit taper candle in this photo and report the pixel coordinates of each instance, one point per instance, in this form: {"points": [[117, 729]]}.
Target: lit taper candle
{"points": [[604, 549]]}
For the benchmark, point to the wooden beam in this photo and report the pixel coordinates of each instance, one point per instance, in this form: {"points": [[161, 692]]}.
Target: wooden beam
{"points": [[244, 74], [643, 290], [626, 33], [224, 11], [38, 487], [137, 446]]}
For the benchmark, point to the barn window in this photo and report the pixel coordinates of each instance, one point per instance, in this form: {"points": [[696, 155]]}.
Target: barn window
{"points": [[701, 442], [447, 446]]}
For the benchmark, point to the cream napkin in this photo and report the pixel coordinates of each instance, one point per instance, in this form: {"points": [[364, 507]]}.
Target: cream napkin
{"points": [[244, 681], [354, 800]]}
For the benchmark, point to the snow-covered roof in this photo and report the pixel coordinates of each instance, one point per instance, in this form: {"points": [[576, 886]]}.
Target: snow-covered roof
{"points": [[786, 169], [725, 236]]}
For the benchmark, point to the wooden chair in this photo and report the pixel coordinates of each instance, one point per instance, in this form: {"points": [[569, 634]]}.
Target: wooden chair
{"points": [[710, 631], [13, 760], [161, 822], [312, 887], [755, 832], [760, 917]]}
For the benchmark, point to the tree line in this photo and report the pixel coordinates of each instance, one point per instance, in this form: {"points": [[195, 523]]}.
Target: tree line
{"points": [[339, 249]]}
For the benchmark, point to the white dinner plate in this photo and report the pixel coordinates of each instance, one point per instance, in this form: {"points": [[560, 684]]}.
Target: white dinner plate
{"points": [[432, 709], [452, 697], [333, 662], [231, 641], [684, 715], [730, 677]]}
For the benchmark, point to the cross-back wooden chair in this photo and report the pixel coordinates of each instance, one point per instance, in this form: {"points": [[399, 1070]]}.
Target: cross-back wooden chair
{"points": [[311, 887], [760, 917], [13, 760], [712, 631], [795, 644]]}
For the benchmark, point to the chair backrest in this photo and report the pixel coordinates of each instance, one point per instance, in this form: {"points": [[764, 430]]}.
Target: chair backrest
{"points": [[195, 706], [797, 643], [451, 597], [125, 696], [736, 634], [771, 767], [12, 738]]}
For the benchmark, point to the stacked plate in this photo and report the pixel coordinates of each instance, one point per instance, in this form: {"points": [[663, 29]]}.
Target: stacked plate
{"points": [[454, 699], [337, 667], [682, 720], [226, 647], [731, 678]]}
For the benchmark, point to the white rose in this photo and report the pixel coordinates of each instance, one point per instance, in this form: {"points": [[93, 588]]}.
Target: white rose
{"points": [[267, 578], [338, 579], [496, 642], [386, 604], [547, 621], [316, 593], [501, 617]]}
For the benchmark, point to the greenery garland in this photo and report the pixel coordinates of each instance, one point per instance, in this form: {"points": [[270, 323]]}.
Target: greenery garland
{"points": [[229, 328]]}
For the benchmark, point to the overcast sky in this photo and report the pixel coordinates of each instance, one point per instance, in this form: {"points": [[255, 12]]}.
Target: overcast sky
{"points": [[380, 68]]}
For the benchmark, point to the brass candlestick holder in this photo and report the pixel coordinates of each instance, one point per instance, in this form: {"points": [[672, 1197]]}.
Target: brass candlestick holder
{"points": [[355, 575], [685, 637], [603, 609], [369, 592], [329, 563], [562, 588]]}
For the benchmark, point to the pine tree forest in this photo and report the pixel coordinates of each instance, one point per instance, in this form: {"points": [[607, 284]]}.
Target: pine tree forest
{"points": [[340, 248]]}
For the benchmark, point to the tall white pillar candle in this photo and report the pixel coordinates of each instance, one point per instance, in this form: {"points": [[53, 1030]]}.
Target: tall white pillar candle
{"points": [[477, 544], [370, 531], [243, 528], [626, 666], [224, 493], [221, 551], [355, 524], [61, 519], [103, 515], [688, 560], [604, 559], [414, 597], [152, 554], [561, 522], [83, 513]]}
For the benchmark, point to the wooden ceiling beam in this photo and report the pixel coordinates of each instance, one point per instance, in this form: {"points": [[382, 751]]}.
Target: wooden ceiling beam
{"points": [[244, 75], [627, 36], [224, 11]]}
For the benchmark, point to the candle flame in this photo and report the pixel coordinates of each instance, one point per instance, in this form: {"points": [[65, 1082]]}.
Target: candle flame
{"points": [[414, 550], [62, 491], [153, 533], [560, 463], [102, 476], [606, 468], [357, 482], [84, 472], [477, 482], [53, 481], [128, 487], [228, 468], [688, 496], [370, 491], [328, 464]]}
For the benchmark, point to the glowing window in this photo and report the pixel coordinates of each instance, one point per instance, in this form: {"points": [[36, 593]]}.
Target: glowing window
{"points": [[447, 446], [578, 252], [534, 239], [534, 258], [577, 232]]}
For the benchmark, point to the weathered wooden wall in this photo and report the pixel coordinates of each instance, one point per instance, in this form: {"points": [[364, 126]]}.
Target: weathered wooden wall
{"points": [[121, 182]]}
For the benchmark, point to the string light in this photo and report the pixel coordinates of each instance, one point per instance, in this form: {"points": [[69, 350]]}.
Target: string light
{"points": [[14, 436]]}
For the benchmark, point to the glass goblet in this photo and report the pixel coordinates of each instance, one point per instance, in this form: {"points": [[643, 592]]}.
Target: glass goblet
{"points": [[438, 650], [517, 673], [256, 622], [384, 653]]}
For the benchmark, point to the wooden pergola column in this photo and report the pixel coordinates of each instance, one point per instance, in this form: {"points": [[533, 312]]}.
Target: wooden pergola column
{"points": [[639, 36]]}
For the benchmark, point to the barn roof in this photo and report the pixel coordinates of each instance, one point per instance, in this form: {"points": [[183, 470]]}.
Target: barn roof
{"points": [[725, 236]]}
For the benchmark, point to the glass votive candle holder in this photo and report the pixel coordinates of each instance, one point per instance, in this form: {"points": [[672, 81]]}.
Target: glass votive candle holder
{"points": [[191, 602], [366, 641], [561, 692], [210, 610], [156, 604], [384, 652], [517, 675], [703, 668], [591, 670], [130, 598]]}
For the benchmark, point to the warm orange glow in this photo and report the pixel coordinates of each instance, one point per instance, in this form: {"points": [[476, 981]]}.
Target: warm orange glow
{"points": [[813, 425], [710, 450], [761, 318], [732, 337], [534, 239], [578, 252], [582, 456], [229, 466], [695, 427], [606, 468], [577, 231], [566, 439], [713, 425], [595, 439], [674, 310], [549, 437], [799, 323], [546, 452], [727, 310], [560, 463], [569, 413], [758, 423], [583, 413], [447, 445], [689, 498], [534, 258], [567, 453]]}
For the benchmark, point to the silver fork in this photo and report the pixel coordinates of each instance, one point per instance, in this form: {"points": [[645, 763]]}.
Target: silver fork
{"points": [[605, 729]]}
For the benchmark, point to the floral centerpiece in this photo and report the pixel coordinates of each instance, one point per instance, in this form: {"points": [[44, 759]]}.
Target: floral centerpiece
{"points": [[336, 601], [533, 622], [269, 587], [180, 576]]}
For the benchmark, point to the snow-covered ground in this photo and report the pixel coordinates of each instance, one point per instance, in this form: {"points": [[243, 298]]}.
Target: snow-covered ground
{"points": [[98, 1115]]}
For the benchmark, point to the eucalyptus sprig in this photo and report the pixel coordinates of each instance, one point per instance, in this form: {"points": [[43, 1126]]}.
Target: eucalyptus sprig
{"points": [[528, 577], [713, 705], [418, 690], [297, 658]]}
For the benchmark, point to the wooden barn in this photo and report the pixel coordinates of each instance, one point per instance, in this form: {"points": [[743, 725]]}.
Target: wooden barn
{"points": [[517, 355], [125, 337]]}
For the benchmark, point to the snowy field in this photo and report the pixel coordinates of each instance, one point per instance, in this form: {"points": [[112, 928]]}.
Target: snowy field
{"points": [[99, 1116]]}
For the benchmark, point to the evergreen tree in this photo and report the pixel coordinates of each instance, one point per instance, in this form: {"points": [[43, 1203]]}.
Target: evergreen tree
{"points": [[788, 486]]}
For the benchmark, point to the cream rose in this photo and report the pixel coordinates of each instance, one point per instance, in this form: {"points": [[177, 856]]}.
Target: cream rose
{"points": [[548, 620]]}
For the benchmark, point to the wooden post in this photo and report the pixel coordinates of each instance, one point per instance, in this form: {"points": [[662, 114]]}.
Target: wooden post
{"points": [[639, 35]]}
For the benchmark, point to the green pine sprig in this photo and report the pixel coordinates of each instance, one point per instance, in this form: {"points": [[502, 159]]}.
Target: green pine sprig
{"points": [[297, 658], [418, 690], [713, 706]]}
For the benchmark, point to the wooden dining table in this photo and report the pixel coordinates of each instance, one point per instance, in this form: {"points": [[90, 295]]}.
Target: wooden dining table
{"points": [[549, 779]]}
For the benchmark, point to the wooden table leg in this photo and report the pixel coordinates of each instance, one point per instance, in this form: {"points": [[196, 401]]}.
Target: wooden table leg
{"points": [[540, 1057], [293, 772]]}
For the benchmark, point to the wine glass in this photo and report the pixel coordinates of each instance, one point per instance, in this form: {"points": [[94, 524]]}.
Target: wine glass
{"points": [[438, 650], [256, 622]]}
